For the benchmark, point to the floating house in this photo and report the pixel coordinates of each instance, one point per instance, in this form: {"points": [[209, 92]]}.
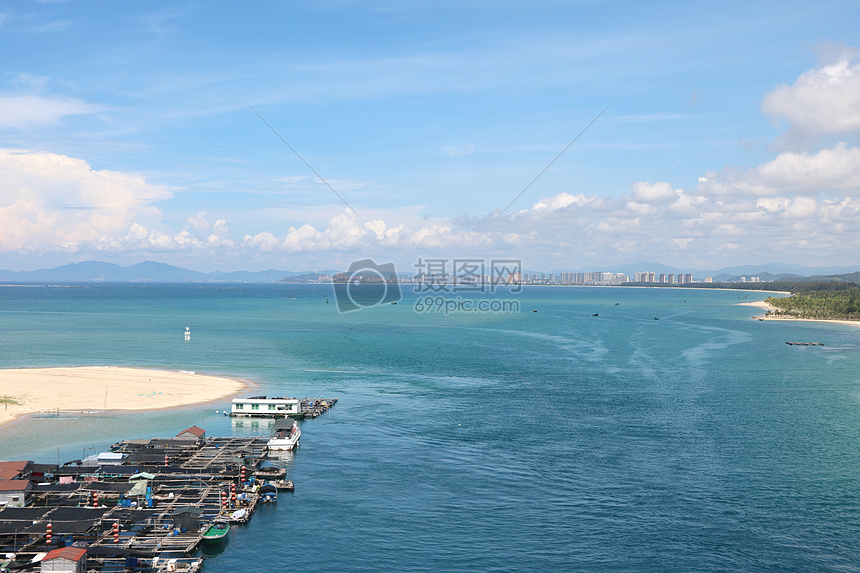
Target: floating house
{"points": [[192, 433], [261, 406], [13, 492], [65, 560]]}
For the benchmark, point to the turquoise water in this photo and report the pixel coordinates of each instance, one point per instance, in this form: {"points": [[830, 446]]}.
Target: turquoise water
{"points": [[696, 442]]}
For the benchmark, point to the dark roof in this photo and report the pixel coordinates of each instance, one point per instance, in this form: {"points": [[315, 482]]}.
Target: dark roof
{"points": [[77, 513], [136, 515], [113, 550], [56, 487], [115, 486], [284, 424], [62, 527], [75, 471], [192, 430], [14, 485], [29, 514], [70, 553], [13, 527], [34, 468], [188, 509]]}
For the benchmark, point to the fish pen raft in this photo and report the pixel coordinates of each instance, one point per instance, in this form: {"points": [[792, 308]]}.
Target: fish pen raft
{"points": [[144, 506]]}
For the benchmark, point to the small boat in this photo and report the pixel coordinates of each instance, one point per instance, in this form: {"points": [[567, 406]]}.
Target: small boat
{"points": [[283, 485], [268, 492], [285, 435], [216, 532], [270, 473], [160, 564], [240, 515]]}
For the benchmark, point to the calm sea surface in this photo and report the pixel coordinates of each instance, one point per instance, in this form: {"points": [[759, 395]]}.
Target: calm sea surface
{"points": [[547, 441]]}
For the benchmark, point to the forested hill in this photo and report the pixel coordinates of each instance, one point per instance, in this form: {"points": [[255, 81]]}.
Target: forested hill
{"points": [[839, 304]]}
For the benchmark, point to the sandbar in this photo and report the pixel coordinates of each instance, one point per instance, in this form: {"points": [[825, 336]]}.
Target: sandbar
{"points": [[98, 388], [760, 304]]}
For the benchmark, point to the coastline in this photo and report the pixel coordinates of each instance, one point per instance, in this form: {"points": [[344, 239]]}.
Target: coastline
{"points": [[107, 388], [767, 306]]}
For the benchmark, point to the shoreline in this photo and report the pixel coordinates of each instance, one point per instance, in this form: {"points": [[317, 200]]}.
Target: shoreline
{"points": [[102, 389], [854, 323], [767, 306]]}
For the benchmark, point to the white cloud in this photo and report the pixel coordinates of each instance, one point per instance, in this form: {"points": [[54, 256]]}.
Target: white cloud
{"points": [[824, 100], [800, 205], [645, 192], [52, 201], [832, 169], [829, 169], [24, 111]]}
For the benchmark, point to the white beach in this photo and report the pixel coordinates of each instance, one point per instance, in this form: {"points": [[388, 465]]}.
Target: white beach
{"points": [[91, 388]]}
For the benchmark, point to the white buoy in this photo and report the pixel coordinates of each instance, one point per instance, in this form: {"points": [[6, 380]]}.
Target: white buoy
{"points": [[187, 333]]}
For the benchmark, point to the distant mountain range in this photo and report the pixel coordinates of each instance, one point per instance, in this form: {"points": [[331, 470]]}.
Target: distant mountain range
{"points": [[93, 271], [142, 272]]}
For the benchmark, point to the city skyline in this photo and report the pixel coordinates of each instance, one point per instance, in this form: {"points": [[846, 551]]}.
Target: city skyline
{"points": [[558, 133]]}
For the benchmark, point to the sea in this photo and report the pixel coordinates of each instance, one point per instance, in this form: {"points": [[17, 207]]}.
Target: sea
{"points": [[582, 429]]}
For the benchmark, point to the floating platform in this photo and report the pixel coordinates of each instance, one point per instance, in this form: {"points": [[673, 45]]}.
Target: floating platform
{"points": [[147, 502], [274, 408]]}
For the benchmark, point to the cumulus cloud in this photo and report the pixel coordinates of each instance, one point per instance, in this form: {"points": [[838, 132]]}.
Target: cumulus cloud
{"points": [[346, 233], [52, 201], [824, 100], [832, 169], [799, 205], [657, 193], [692, 222], [28, 110]]}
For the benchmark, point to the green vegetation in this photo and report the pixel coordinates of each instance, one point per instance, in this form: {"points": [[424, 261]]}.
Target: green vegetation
{"points": [[839, 303], [9, 400]]}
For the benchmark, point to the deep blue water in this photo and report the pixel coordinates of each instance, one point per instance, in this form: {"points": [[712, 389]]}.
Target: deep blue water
{"points": [[551, 441]]}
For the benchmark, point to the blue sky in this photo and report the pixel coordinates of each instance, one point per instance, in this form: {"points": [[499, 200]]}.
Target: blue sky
{"points": [[124, 136]]}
